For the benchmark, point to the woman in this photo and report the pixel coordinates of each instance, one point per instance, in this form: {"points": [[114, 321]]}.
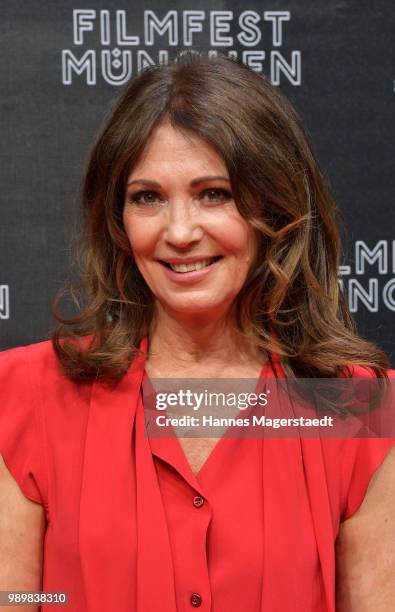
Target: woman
{"points": [[209, 250]]}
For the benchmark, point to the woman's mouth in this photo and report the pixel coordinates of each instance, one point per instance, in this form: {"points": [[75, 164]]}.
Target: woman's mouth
{"points": [[182, 268], [190, 272]]}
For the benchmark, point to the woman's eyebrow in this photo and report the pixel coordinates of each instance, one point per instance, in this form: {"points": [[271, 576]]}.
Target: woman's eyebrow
{"points": [[193, 183], [203, 179]]}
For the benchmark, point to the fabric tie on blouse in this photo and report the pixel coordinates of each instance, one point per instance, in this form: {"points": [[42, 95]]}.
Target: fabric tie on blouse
{"points": [[145, 569]]}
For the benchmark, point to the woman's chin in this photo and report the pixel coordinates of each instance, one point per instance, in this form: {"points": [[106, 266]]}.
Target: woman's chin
{"points": [[195, 308]]}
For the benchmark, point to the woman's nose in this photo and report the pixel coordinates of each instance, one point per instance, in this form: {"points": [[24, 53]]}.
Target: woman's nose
{"points": [[182, 225]]}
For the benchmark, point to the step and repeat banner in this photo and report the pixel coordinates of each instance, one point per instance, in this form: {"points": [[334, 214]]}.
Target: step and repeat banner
{"points": [[63, 64]]}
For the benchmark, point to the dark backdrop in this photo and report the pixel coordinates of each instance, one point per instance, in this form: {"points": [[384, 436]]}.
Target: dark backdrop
{"points": [[63, 64]]}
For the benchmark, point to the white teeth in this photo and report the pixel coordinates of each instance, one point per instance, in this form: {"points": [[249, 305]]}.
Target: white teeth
{"points": [[190, 267]]}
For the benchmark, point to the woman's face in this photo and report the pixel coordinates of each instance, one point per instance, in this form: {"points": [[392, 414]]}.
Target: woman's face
{"points": [[188, 239]]}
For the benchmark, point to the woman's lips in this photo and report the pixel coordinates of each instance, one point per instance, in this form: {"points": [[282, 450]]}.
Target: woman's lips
{"points": [[191, 276]]}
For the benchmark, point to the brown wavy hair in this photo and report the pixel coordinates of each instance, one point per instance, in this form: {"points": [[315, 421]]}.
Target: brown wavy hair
{"points": [[291, 302]]}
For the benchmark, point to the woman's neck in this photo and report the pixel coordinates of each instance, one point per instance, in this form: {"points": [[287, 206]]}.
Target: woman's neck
{"points": [[198, 344]]}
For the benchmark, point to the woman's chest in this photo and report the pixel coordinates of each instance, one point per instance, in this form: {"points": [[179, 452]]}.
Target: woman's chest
{"points": [[197, 451], [259, 516]]}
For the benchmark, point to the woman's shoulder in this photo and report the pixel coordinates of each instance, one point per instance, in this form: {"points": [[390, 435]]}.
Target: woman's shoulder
{"points": [[39, 358], [353, 461], [351, 458], [358, 371], [21, 428], [36, 352]]}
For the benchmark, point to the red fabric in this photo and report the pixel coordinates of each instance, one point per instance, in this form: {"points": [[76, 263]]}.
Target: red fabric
{"points": [[122, 530]]}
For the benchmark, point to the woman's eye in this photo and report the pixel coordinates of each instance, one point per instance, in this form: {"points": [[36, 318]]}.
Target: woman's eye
{"points": [[144, 197], [217, 195], [151, 198]]}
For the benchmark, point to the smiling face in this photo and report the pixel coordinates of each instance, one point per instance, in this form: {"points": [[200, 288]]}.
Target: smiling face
{"points": [[189, 241]]}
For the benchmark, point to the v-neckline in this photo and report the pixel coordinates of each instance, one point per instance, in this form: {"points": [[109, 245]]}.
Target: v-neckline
{"points": [[220, 443]]}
